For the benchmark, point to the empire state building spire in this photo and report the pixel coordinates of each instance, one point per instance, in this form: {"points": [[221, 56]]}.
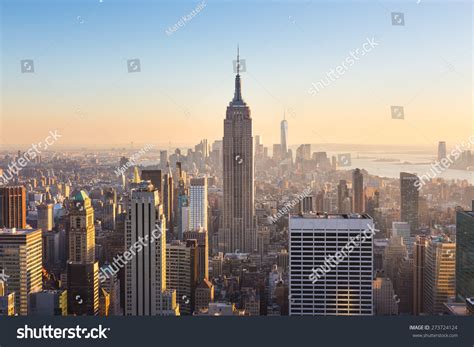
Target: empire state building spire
{"points": [[238, 88]]}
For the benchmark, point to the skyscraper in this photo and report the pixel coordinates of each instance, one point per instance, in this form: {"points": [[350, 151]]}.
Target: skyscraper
{"points": [[145, 272], [464, 255], [167, 197], [357, 191], [201, 236], [409, 195], [182, 272], [21, 261], [419, 251], [343, 197], [82, 269], [284, 137], [440, 276], [346, 287], [238, 229], [198, 203], [441, 150], [45, 217], [82, 230], [13, 207]]}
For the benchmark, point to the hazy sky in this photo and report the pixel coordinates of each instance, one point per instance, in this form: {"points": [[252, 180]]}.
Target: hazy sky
{"points": [[82, 88]]}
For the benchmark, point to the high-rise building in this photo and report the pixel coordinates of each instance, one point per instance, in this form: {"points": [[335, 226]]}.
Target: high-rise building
{"points": [[385, 301], [181, 272], [440, 275], [145, 272], [357, 191], [83, 288], [198, 203], [82, 268], [409, 195], [13, 207], [201, 235], [441, 150], [393, 257], [318, 246], [48, 303], [45, 217], [21, 260], [464, 255], [82, 230], [163, 159], [167, 197], [342, 197], [419, 251], [238, 230], [284, 136], [303, 152]]}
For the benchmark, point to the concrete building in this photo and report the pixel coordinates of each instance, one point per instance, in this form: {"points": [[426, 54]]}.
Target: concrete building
{"points": [[343, 286]]}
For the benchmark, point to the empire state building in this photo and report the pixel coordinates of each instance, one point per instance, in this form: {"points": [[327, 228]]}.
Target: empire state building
{"points": [[238, 228]]}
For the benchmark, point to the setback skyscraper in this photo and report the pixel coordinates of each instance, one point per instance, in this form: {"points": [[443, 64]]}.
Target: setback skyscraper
{"points": [[238, 228]]}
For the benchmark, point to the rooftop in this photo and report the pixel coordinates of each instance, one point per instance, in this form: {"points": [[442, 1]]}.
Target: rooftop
{"points": [[15, 231], [319, 215]]}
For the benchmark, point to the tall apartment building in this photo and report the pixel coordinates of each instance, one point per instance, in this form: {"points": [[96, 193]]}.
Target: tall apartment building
{"points": [[21, 260], [317, 244]]}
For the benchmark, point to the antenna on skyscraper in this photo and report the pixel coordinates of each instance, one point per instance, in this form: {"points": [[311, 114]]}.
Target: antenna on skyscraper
{"points": [[238, 60]]}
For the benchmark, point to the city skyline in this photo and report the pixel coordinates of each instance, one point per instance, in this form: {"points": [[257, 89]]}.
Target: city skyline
{"points": [[251, 218], [99, 90]]}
